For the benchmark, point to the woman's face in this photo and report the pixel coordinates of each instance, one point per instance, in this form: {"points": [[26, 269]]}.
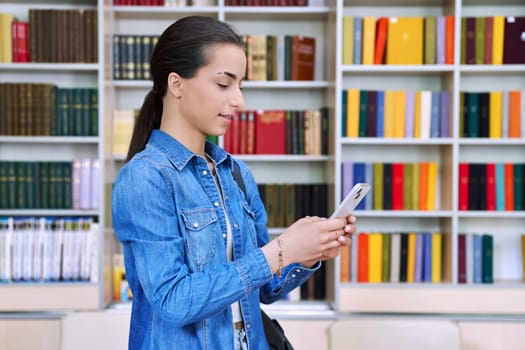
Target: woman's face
{"points": [[213, 96]]}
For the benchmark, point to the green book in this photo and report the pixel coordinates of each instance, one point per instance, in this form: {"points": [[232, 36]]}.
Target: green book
{"points": [[363, 112], [77, 112], [67, 183], [93, 112], [518, 186], [21, 186], [415, 187], [43, 179], [473, 115], [487, 246], [3, 185], [385, 258], [430, 40], [378, 186], [480, 40], [408, 186], [85, 98]]}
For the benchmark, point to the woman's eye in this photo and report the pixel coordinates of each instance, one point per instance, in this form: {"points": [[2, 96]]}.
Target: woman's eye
{"points": [[223, 86]]}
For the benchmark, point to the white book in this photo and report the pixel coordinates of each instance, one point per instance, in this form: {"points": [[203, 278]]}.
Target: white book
{"points": [[395, 257], [505, 115], [6, 242], [95, 183], [426, 114], [85, 248], [85, 184], [18, 249], [94, 250], [47, 247], [75, 183], [27, 249], [67, 248], [38, 235], [280, 57], [56, 249]]}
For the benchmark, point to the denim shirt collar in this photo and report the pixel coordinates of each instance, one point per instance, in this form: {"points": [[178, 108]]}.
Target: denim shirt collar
{"points": [[180, 155]]}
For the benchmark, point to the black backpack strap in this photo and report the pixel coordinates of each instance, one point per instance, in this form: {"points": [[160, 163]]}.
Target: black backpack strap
{"points": [[238, 177]]}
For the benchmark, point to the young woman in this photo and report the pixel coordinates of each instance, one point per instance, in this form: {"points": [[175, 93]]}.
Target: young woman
{"points": [[197, 251]]}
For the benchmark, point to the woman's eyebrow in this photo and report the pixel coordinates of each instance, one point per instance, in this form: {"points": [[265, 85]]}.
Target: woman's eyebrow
{"points": [[231, 75]]}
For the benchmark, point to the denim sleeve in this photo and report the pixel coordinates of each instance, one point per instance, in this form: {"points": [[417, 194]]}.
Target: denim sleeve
{"points": [[145, 221], [293, 275]]}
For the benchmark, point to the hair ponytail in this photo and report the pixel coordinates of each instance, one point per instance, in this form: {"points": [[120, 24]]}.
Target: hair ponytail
{"points": [[148, 119]]}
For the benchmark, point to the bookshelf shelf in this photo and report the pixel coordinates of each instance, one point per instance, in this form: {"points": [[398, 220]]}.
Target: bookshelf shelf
{"points": [[250, 84], [281, 158], [491, 142], [403, 214], [490, 214], [390, 141], [49, 67], [506, 69], [160, 12], [49, 139], [277, 12], [405, 69], [47, 212]]}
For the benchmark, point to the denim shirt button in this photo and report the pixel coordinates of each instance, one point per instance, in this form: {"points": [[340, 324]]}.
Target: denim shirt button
{"points": [[293, 275], [235, 225], [248, 325], [298, 270], [195, 225], [204, 172], [216, 204], [224, 235]]}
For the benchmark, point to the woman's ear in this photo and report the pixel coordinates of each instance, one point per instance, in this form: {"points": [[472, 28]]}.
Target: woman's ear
{"points": [[175, 85]]}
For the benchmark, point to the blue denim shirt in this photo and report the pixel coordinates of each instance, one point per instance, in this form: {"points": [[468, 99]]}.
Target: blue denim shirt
{"points": [[167, 213]]}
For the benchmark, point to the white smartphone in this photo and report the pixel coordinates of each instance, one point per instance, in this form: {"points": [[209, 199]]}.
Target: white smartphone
{"points": [[352, 199]]}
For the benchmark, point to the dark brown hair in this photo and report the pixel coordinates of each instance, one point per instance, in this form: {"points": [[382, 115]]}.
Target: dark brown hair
{"points": [[181, 48]]}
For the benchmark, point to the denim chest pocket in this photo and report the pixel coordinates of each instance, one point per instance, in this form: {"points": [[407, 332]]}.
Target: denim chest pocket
{"points": [[250, 217], [200, 234]]}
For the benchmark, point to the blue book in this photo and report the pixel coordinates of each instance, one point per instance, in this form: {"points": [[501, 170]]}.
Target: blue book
{"points": [[477, 257], [427, 257], [434, 115], [380, 113], [369, 178], [360, 176], [500, 186], [358, 39], [444, 114], [418, 268]]}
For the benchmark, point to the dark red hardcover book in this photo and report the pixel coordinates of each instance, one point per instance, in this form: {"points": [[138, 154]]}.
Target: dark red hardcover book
{"points": [[514, 43], [463, 188], [462, 258]]}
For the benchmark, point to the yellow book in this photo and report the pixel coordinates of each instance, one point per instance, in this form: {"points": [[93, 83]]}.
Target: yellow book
{"points": [[6, 38], [436, 257], [375, 257], [432, 182], [378, 186], [498, 35], [123, 123], [389, 114], [417, 115], [352, 113], [369, 39], [411, 259], [495, 114], [348, 40], [405, 40], [399, 113]]}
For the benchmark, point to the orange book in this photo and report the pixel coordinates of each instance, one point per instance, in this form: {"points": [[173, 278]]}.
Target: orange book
{"points": [[369, 36], [509, 186], [411, 261], [302, 58], [514, 114], [449, 39], [405, 40], [432, 185], [362, 257], [423, 186], [381, 32], [344, 259]]}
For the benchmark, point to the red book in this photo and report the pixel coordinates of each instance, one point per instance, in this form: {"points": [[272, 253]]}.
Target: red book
{"points": [[362, 257], [509, 186], [462, 258], [397, 186], [514, 48], [463, 187], [489, 30], [449, 39], [270, 132], [491, 186], [381, 34], [20, 34], [235, 137]]}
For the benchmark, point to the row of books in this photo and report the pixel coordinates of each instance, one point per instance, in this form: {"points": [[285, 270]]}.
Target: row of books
{"points": [[279, 57], [48, 249], [492, 40], [475, 258], [167, 3], [398, 40], [50, 185], [398, 257], [395, 186], [285, 203], [266, 2], [396, 113], [131, 56], [36, 109], [50, 35], [302, 132], [493, 114], [491, 186]]}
